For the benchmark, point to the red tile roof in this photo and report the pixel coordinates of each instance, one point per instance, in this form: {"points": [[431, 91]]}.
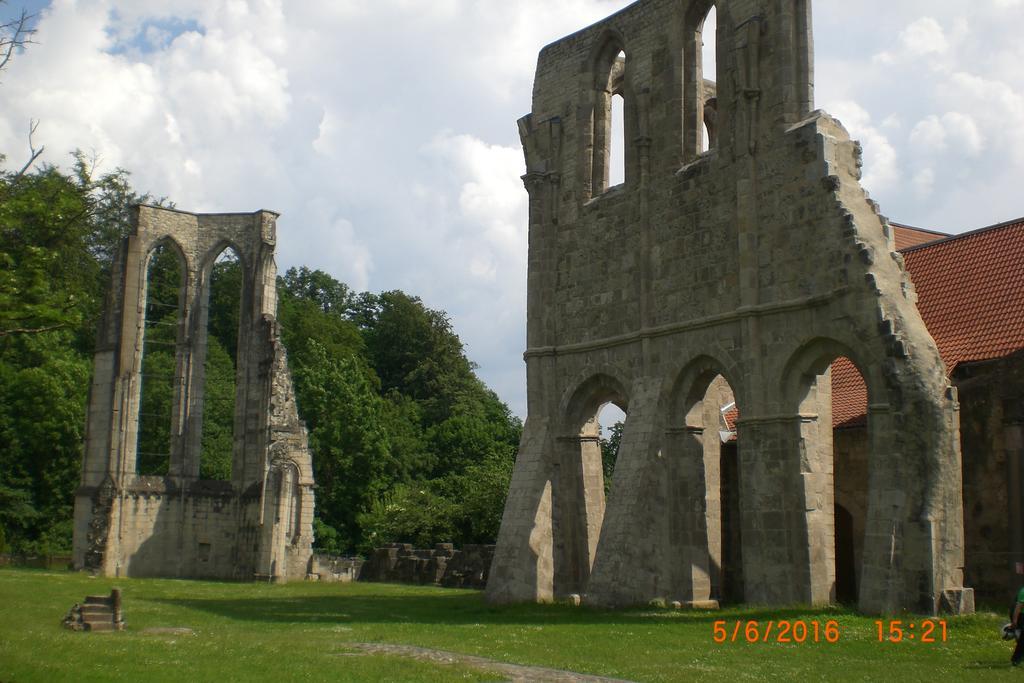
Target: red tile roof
{"points": [[849, 395], [906, 236], [970, 291]]}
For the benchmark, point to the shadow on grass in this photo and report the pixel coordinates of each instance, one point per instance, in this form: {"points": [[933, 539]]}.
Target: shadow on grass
{"points": [[460, 608]]}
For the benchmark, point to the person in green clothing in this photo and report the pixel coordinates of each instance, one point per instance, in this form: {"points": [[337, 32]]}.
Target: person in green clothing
{"points": [[1018, 624]]}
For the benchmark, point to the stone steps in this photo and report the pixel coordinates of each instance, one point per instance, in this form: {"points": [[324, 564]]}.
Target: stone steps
{"points": [[97, 613]]}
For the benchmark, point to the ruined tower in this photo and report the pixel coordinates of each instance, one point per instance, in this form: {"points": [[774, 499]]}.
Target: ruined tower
{"points": [[739, 256], [257, 524]]}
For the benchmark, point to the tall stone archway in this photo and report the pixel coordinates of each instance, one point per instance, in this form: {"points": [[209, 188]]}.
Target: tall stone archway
{"points": [[175, 523]]}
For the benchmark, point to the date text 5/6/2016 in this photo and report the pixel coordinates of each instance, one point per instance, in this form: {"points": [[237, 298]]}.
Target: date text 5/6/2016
{"points": [[801, 631], [784, 631]]}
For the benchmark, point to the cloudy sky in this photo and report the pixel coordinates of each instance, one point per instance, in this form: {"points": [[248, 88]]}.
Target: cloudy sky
{"points": [[384, 130]]}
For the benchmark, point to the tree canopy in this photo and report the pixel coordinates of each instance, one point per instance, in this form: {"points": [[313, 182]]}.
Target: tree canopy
{"points": [[407, 441], [56, 232]]}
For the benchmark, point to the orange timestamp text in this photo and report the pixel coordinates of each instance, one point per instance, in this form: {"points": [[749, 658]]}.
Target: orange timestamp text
{"points": [[782, 631], [923, 631]]}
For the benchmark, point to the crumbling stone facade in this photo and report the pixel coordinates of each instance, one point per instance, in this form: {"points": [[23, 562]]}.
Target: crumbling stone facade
{"points": [[757, 262], [258, 524]]}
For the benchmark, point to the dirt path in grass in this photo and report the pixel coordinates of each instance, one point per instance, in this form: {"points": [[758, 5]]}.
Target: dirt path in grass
{"points": [[516, 673]]}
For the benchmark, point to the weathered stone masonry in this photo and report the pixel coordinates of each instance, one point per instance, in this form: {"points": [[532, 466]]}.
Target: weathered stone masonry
{"points": [[760, 260], [259, 524]]}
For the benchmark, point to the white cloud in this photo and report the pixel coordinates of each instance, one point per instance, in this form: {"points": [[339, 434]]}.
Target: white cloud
{"points": [[880, 157], [929, 134], [331, 243], [329, 134], [924, 36], [937, 134], [492, 194], [950, 71], [924, 183]]}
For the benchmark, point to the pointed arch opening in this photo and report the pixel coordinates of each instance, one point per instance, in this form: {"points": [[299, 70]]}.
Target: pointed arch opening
{"points": [[610, 150], [835, 444], [220, 367], [159, 385], [705, 472], [617, 141], [709, 80], [701, 119], [850, 450], [599, 406], [611, 421]]}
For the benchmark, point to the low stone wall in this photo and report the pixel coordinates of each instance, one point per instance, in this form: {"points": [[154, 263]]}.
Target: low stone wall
{"points": [[36, 561], [441, 566], [335, 569]]}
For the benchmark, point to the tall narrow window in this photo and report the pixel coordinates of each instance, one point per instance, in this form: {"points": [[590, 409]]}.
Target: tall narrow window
{"points": [[611, 420], [221, 367], [609, 149], [157, 388], [617, 141], [708, 80]]}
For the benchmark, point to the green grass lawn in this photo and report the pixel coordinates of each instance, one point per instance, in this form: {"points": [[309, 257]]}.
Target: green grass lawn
{"points": [[299, 631]]}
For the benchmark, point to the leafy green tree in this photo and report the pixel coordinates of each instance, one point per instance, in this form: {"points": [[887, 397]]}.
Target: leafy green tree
{"points": [[42, 421], [305, 318], [218, 413], [47, 277], [467, 437], [440, 425], [344, 414], [57, 233], [411, 513], [53, 270], [480, 492], [225, 304], [221, 367], [609, 452], [165, 280], [415, 351], [318, 287]]}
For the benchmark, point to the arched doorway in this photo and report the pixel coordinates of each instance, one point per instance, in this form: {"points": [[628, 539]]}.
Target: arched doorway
{"points": [[579, 480], [704, 476], [834, 445]]}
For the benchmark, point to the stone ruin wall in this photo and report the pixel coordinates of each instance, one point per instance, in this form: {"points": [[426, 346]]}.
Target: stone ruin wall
{"points": [[760, 260], [442, 565], [259, 524], [992, 428]]}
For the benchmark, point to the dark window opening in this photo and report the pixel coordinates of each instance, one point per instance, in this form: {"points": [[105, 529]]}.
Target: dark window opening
{"points": [[221, 366], [158, 379]]}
